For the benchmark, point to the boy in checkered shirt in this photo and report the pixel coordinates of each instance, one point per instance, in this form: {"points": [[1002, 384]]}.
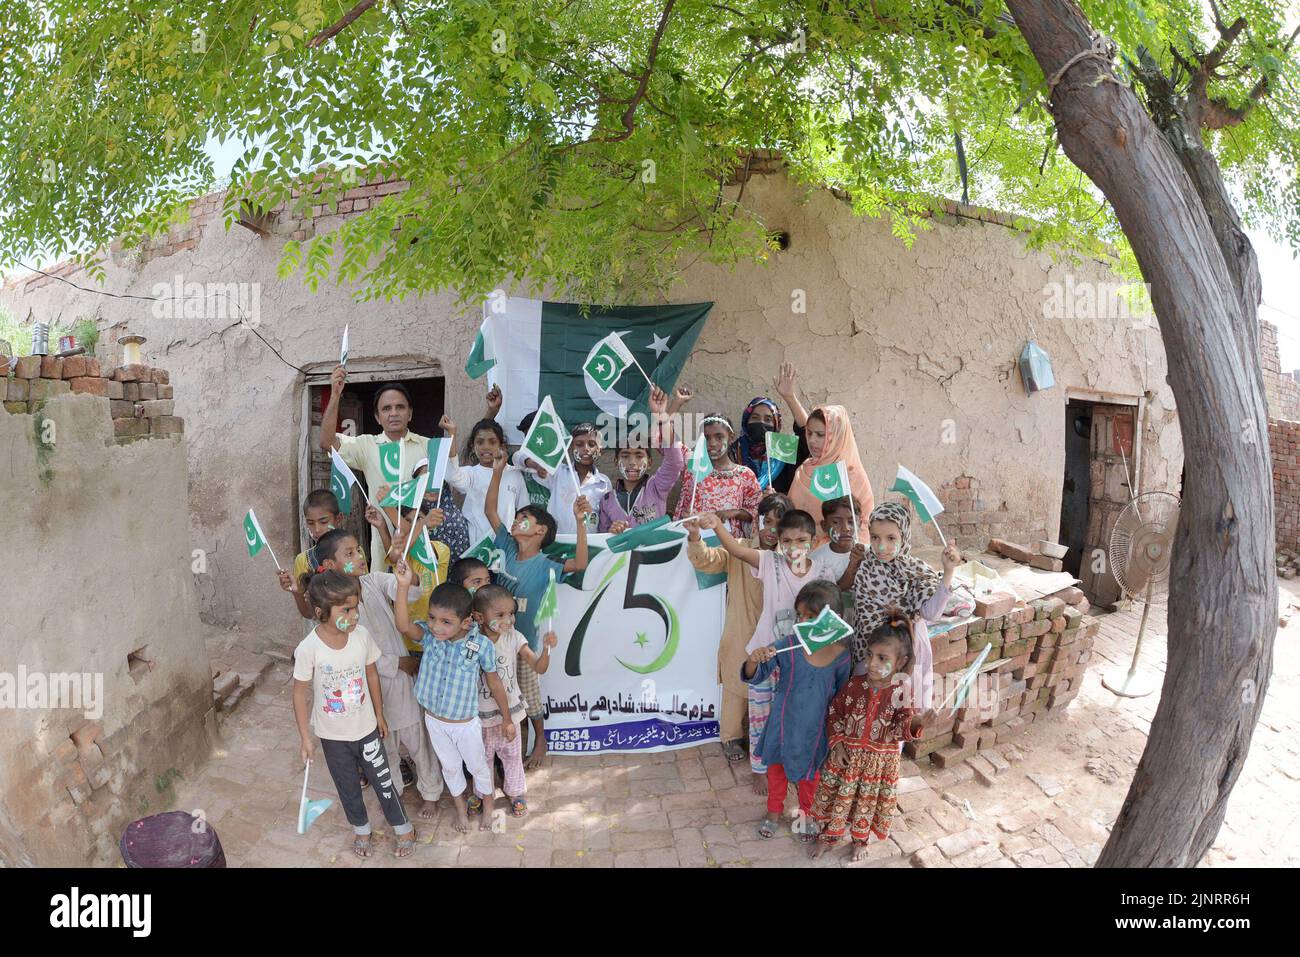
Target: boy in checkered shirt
{"points": [[455, 654]]}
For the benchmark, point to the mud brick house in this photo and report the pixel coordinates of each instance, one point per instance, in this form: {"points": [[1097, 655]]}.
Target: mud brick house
{"points": [[919, 343]]}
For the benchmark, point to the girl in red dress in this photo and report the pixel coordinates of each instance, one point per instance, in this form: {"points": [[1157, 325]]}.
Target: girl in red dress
{"points": [[730, 490], [858, 787]]}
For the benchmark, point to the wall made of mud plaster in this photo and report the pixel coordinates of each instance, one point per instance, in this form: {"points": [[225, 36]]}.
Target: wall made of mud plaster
{"points": [[99, 565], [918, 343]]}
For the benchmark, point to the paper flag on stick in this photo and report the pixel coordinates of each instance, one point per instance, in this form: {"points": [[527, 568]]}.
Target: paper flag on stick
{"points": [[830, 481], [343, 350], [308, 811], [417, 497], [439, 452], [255, 538], [407, 494], [424, 553], [549, 606], [341, 481], [547, 441], [486, 552], [822, 630], [700, 463], [918, 493], [966, 680], [782, 447]]}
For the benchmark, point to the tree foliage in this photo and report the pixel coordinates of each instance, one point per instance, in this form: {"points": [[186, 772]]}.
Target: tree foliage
{"points": [[589, 145]]}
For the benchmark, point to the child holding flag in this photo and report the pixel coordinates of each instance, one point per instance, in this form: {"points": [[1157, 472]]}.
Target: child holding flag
{"points": [[830, 442], [865, 728], [494, 610], [527, 573], [565, 482], [640, 496], [744, 607], [886, 576], [340, 551], [718, 484], [794, 741], [486, 439], [333, 669], [837, 552], [772, 455], [320, 514], [428, 560]]}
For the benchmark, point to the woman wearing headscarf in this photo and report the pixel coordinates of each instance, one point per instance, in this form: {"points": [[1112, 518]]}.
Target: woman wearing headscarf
{"points": [[762, 416], [830, 439], [886, 575]]}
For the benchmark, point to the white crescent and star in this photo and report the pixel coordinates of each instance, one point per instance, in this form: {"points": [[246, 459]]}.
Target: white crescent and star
{"points": [[818, 487], [251, 536], [554, 446]]}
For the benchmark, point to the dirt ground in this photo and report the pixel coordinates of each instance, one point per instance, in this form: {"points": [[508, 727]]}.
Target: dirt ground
{"points": [[1048, 803]]}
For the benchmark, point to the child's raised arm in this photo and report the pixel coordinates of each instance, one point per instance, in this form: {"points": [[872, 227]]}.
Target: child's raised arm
{"points": [[581, 506], [787, 388], [856, 555], [742, 551], [540, 663], [299, 596], [499, 463], [401, 614]]}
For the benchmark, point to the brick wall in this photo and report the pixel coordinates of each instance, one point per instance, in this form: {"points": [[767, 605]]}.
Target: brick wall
{"points": [[139, 398], [1040, 652], [1282, 390], [1284, 443]]}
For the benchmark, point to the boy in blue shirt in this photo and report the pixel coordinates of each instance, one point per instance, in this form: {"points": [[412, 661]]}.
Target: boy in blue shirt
{"points": [[455, 654], [526, 572]]}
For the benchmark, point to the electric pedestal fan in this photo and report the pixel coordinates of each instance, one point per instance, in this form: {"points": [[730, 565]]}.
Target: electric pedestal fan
{"points": [[1141, 545]]}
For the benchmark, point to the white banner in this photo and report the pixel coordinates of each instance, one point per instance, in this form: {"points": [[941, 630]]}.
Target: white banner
{"points": [[636, 668]]}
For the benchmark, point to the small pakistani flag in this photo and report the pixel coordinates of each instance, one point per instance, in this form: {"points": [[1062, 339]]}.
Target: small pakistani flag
{"points": [[486, 552], [343, 350], [481, 357], [341, 481], [423, 551], [253, 536], [405, 494], [782, 447], [918, 493], [549, 606], [609, 359], [547, 441], [308, 811], [390, 462], [830, 481], [967, 679], [822, 630], [439, 452], [700, 464]]}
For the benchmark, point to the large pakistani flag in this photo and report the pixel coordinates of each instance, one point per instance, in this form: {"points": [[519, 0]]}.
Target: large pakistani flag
{"points": [[532, 349]]}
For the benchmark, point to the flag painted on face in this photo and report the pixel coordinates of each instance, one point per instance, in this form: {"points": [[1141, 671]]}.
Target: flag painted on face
{"points": [[782, 447], [547, 441], [822, 630], [918, 493], [253, 536], [830, 481], [700, 464], [536, 348], [341, 481]]}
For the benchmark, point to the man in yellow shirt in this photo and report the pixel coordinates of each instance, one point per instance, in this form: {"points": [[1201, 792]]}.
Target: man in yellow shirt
{"points": [[380, 458]]}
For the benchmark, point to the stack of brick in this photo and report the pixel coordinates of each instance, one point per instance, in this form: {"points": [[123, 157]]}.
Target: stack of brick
{"points": [[1035, 667], [1284, 444], [139, 398]]}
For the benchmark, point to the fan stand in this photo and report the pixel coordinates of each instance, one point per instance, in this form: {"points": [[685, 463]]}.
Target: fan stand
{"points": [[1130, 684]]}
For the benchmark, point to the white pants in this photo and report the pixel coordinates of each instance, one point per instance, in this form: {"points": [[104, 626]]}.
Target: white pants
{"points": [[416, 741], [457, 744]]}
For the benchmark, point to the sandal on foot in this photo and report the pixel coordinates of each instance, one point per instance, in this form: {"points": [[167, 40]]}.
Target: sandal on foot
{"points": [[473, 805], [405, 842], [766, 828], [733, 750], [518, 807], [361, 845]]}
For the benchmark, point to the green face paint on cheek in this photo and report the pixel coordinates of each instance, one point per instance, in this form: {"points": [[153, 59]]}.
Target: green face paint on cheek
{"points": [[342, 624], [349, 568]]}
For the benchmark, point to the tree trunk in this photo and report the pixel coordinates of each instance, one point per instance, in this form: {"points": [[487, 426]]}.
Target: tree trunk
{"points": [[1223, 590]]}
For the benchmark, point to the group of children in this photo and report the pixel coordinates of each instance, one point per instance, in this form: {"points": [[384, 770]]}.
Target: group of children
{"points": [[436, 656]]}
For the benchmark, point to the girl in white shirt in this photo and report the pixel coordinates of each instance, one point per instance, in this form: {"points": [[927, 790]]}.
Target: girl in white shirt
{"points": [[472, 479]]}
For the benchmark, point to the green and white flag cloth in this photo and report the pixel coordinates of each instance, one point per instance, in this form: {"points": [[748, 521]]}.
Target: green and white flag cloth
{"points": [[547, 441], [486, 552], [830, 481], [822, 630], [342, 479], [390, 461], [783, 447], [423, 551], [406, 494], [533, 349], [439, 453], [966, 680], [607, 363], [255, 538], [699, 463], [549, 606], [343, 348], [918, 493]]}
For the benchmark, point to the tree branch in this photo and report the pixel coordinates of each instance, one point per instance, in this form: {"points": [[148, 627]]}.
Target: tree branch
{"points": [[329, 32], [629, 115]]}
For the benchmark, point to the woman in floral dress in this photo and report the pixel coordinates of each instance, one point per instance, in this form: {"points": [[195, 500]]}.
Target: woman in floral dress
{"points": [[730, 490]]}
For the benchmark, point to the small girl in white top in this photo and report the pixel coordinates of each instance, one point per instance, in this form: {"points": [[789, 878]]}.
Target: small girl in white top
{"points": [[472, 479]]}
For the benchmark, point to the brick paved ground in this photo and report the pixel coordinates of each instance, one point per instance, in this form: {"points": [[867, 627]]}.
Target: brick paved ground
{"points": [[1044, 801]]}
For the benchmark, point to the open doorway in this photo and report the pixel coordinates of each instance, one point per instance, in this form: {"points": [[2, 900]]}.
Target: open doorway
{"points": [[1101, 461], [427, 386]]}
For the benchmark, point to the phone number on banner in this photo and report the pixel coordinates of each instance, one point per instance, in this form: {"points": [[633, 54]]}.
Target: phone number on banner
{"points": [[632, 736]]}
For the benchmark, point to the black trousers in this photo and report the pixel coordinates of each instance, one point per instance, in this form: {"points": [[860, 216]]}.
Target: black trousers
{"points": [[343, 758]]}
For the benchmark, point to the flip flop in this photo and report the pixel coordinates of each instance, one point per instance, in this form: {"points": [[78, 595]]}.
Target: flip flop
{"points": [[518, 807], [766, 829], [361, 845], [473, 805], [733, 750], [405, 843]]}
